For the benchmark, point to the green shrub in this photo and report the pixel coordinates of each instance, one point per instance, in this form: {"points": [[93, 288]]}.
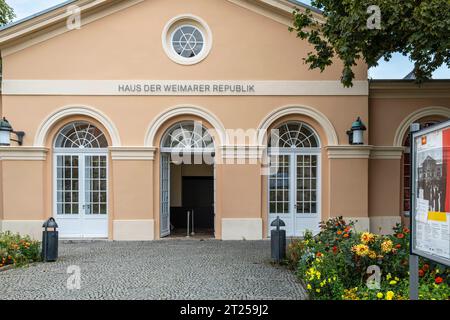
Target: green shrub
{"points": [[18, 250]]}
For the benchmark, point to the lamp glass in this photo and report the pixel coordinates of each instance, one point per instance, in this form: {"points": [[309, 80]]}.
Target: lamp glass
{"points": [[358, 137], [5, 138]]}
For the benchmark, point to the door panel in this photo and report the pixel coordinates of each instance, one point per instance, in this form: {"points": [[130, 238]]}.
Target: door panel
{"points": [[294, 192], [165, 195], [81, 195]]}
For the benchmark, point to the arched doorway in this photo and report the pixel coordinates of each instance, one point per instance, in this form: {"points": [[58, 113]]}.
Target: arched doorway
{"points": [[80, 203], [187, 183], [294, 177]]}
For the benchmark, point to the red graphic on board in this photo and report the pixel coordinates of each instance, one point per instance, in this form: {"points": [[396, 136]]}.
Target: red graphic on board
{"points": [[446, 158]]}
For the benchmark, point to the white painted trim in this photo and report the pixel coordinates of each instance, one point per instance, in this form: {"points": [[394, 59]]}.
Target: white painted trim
{"points": [[204, 88], [133, 230], [23, 153], [242, 229], [403, 128], [386, 153], [47, 124], [183, 110], [383, 224], [349, 152], [33, 228], [178, 21], [132, 153], [327, 126]]}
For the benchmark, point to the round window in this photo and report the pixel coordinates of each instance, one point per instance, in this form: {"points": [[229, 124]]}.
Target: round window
{"points": [[187, 39]]}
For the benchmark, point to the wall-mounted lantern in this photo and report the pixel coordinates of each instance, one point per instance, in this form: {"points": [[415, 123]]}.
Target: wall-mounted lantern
{"points": [[356, 132], [5, 134]]}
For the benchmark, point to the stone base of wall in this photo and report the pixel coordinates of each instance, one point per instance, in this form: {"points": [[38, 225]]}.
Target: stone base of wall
{"points": [[383, 224], [242, 229], [361, 223], [33, 228], [133, 230]]}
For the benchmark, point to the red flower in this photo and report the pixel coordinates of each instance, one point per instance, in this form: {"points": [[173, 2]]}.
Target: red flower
{"points": [[319, 254], [426, 267], [438, 280], [398, 246], [421, 273], [335, 249], [405, 230], [400, 235]]}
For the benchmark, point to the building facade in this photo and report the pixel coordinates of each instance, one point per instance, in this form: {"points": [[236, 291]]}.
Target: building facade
{"points": [[136, 112]]}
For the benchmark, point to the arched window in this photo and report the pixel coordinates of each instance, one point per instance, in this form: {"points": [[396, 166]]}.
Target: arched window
{"points": [[294, 135], [187, 135], [81, 135], [294, 178]]}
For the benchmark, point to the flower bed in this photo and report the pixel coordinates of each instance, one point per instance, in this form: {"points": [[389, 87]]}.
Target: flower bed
{"points": [[18, 251], [334, 265]]}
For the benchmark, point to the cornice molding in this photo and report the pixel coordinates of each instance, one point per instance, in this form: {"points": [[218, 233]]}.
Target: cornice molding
{"points": [[242, 151], [385, 89], [23, 153], [386, 153], [133, 153], [349, 151]]}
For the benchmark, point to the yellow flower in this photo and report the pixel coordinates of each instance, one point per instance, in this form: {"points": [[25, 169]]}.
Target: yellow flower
{"points": [[318, 290], [367, 237], [388, 276], [380, 295], [308, 287], [386, 246], [361, 249], [334, 278], [393, 282], [372, 254], [390, 295]]}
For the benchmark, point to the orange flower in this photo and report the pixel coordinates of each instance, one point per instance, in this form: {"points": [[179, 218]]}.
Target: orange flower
{"points": [[347, 229], [400, 235], [405, 230], [319, 254], [421, 273], [426, 267], [339, 232], [438, 280], [345, 235]]}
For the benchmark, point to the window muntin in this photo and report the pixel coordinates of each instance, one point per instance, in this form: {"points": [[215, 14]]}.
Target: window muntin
{"points": [[187, 41], [280, 186], [294, 135], [80, 135], [187, 135]]}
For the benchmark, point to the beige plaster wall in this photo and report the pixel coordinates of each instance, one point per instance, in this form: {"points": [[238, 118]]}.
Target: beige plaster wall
{"points": [[133, 185], [127, 45], [384, 187], [349, 187], [23, 184]]}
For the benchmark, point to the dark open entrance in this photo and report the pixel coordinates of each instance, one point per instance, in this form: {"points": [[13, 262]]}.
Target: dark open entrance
{"points": [[192, 189]]}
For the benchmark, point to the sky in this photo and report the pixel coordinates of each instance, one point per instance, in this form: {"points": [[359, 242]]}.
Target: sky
{"points": [[398, 67]]}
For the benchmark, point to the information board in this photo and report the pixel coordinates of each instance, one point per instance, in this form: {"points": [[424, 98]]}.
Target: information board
{"points": [[430, 209]]}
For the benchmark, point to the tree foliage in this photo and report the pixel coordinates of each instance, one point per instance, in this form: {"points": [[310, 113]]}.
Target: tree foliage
{"points": [[6, 13], [419, 29]]}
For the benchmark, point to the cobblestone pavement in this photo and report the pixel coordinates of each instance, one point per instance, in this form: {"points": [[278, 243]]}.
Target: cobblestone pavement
{"points": [[168, 269]]}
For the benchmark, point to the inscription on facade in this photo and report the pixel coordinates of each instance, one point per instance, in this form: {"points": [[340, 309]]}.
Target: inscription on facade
{"points": [[156, 88]]}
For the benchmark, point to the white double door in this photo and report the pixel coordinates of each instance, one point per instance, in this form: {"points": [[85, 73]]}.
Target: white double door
{"points": [[294, 192], [81, 194]]}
